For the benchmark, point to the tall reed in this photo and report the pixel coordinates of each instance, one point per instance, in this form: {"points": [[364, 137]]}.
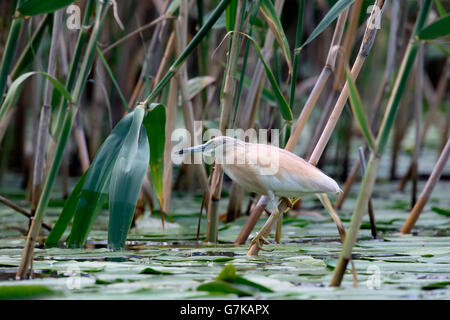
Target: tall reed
{"points": [[374, 160]]}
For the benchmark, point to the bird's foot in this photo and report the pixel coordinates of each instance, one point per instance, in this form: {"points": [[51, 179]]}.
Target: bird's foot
{"points": [[288, 201], [259, 240]]}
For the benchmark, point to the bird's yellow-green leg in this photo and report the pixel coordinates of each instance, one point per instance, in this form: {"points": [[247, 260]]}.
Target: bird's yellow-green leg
{"points": [[265, 230]]}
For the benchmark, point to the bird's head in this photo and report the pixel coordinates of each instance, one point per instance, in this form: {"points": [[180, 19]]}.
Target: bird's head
{"points": [[214, 147]]}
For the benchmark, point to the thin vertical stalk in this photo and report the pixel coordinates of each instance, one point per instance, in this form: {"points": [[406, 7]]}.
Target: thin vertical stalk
{"points": [[426, 192], [171, 115], [226, 102], [61, 141], [374, 160], [10, 48], [187, 108], [347, 44], [418, 96], [434, 101], [390, 61], [373, 225], [42, 138], [244, 117], [366, 45], [187, 51]]}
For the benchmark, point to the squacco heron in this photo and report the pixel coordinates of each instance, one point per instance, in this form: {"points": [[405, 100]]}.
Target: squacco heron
{"points": [[266, 170]]}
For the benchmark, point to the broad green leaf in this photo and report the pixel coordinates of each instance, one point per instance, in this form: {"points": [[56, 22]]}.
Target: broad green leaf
{"points": [[126, 181], [230, 15], [14, 292], [285, 110], [95, 187], [272, 19], [35, 7], [155, 123], [358, 112], [14, 92], [66, 215], [334, 12], [437, 29]]}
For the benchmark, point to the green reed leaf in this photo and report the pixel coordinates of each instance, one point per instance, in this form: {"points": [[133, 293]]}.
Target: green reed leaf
{"points": [[35, 7], [126, 181]]}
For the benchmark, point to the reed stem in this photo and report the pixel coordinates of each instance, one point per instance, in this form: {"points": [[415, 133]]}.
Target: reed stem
{"points": [[374, 160]]}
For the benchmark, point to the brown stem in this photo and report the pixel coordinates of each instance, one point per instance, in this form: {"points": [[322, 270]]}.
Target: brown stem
{"points": [[426, 192], [21, 210]]}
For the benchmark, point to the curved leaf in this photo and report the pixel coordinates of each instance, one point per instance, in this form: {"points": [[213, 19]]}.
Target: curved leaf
{"points": [[126, 181], [437, 29], [95, 187], [70, 206], [155, 123], [285, 110], [358, 111], [14, 92], [334, 12], [272, 19], [35, 7]]}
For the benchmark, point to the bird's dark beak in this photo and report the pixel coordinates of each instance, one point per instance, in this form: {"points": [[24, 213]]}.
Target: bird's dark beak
{"points": [[199, 148]]}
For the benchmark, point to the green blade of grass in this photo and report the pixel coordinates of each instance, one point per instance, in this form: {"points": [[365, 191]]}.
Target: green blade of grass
{"points": [[272, 19], [188, 50], [285, 110], [440, 8], [334, 12], [10, 48], [358, 112], [29, 52], [113, 79]]}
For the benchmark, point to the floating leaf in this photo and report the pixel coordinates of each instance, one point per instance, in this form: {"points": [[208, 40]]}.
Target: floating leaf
{"points": [[149, 270], [441, 211], [229, 282], [14, 292]]}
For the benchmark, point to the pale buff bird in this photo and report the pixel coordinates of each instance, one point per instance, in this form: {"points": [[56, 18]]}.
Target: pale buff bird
{"points": [[267, 170]]}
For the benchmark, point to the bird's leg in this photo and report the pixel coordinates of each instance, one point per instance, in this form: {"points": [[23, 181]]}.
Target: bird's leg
{"points": [[288, 202], [265, 230]]}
